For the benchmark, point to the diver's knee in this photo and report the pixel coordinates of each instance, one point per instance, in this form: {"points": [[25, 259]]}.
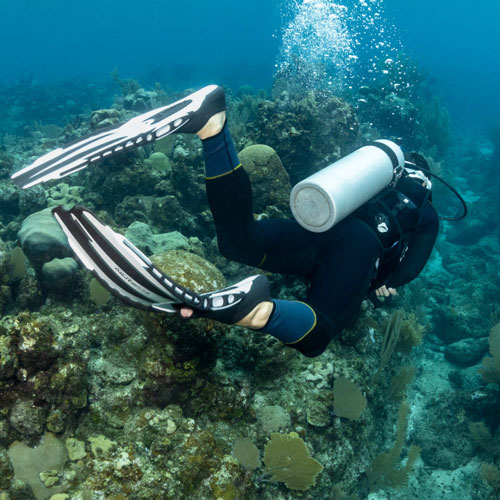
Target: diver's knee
{"points": [[243, 252], [228, 250], [317, 340]]}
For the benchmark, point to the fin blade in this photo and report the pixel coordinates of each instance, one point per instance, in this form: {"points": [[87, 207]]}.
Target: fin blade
{"points": [[98, 259], [145, 128], [120, 267]]}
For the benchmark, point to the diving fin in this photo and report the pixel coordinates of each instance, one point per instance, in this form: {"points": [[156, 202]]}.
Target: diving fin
{"points": [[129, 275], [188, 115]]}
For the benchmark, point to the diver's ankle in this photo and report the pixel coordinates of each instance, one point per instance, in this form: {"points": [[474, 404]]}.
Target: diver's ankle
{"points": [[213, 126], [258, 317]]}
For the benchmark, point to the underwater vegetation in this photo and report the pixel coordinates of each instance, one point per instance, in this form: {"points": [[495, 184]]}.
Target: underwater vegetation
{"points": [[98, 400]]}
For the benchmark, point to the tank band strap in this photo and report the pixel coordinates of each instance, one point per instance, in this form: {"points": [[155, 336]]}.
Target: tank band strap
{"points": [[388, 151]]}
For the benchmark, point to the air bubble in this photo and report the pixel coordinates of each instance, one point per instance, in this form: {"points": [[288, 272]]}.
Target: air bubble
{"points": [[326, 44]]}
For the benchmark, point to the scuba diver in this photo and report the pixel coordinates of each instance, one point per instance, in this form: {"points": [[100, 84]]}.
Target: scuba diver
{"points": [[362, 227]]}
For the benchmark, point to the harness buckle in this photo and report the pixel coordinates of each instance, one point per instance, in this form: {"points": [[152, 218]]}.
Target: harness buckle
{"points": [[399, 170]]}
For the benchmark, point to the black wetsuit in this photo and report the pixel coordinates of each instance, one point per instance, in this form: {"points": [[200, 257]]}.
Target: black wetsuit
{"points": [[343, 264]]}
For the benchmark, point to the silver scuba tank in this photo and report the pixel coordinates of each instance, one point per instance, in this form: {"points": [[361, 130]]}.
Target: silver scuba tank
{"points": [[325, 198]]}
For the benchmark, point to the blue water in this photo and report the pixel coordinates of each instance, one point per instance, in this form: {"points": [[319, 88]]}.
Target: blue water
{"points": [[459, 44], [61, 39], [238, 43]]}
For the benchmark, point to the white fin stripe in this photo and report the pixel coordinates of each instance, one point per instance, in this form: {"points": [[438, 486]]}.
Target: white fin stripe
{"points": [[125, 277], [108, 142], [164, 307], [66, 154], [75, 246], [117, 241], [91, 265]]}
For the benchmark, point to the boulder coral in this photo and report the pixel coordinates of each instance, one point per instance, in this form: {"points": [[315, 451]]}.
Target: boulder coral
{"points": [[270, 181]]}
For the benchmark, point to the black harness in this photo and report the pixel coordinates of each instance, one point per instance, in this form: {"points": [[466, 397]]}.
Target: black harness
{"points": [[393, 215]]}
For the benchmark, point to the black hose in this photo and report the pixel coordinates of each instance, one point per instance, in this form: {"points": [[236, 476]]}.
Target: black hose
{"points": [[457, 194]]}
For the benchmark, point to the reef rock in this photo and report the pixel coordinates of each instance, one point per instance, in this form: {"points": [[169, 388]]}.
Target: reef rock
{"points": [[32, 200], [140, 234], [466, 352], [60, 273], [307, 134], [8, 359], [104, 118], [6, 470], [9, 200], [159, 162], [190, 270], [140, 100], [42, 239], [27, 419], [36, 346], [469, 232]]}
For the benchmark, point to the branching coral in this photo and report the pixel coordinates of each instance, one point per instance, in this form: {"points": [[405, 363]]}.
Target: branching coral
{"points": [[383, 472]]}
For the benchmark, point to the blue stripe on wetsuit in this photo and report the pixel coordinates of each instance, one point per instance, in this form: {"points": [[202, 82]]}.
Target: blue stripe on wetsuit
{"points": [[220, 154], [290, 321]]}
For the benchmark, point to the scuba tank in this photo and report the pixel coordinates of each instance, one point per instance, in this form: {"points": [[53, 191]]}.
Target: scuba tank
{"points": [[328, 196]]}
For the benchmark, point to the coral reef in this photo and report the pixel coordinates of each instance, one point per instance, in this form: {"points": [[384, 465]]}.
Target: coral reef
{"points": [[270, 181], [148, 406], [307, 134]]}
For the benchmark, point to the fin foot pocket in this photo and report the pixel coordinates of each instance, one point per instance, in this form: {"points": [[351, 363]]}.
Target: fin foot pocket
{"points": [[233, 303]]}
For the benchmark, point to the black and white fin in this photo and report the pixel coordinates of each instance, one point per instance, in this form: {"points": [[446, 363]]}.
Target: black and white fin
{"points": [[129, 275], [233, 303], [119, 266], [140, 130]]}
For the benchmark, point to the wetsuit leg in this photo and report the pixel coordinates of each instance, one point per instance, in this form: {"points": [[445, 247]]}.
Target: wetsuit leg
{"points": [[344, 269], [276, 245], [339, 262]]}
